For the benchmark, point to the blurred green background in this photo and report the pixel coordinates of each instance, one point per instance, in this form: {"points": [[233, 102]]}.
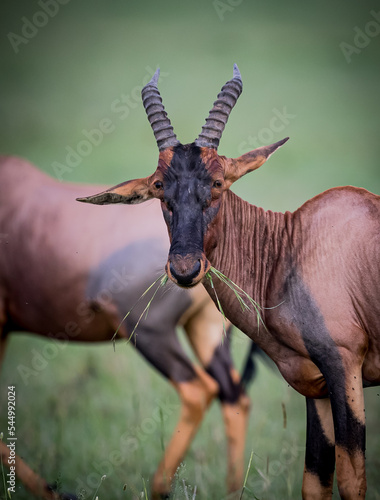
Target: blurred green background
{"points": [[314, 64]]}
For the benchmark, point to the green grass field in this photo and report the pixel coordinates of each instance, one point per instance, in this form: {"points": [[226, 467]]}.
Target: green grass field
{"points": [[87, 64], [72, 414]]}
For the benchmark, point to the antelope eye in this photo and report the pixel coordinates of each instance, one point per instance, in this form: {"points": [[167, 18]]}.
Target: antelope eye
{"points": [[217, 184], [158, 185]]}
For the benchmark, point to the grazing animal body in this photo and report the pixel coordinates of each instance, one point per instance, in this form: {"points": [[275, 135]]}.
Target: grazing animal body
{"points": [[314, 272], [68, 272]]}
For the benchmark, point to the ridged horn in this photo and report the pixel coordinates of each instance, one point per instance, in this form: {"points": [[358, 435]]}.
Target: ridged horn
{"points": [[162, 129], [213, 128]]}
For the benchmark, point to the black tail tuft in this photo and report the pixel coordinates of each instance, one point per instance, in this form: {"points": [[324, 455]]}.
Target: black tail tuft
{"points": [[250, 369]]}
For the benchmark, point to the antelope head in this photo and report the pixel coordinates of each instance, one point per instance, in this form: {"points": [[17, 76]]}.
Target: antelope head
{"points": [[190, 180]]}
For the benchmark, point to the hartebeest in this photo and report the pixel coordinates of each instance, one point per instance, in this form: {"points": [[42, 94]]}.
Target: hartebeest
{"points": [[69, 272], [315, 273]]}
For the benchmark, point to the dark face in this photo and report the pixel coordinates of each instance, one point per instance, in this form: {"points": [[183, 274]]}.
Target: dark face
{"points": [[190, 182], [190, 189]]}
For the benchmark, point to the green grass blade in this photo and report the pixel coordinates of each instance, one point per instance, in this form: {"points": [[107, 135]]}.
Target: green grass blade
{"points": [[146, 310], [239, 294], [228, 282], [208, 275], [2, 471], [145, 491], [164, 278], [99, 485], [246, 479], [195, 492]]}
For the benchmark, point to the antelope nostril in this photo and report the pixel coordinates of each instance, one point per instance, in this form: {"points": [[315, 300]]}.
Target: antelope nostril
{"points": [[186, 277], [172, 271], [197, 268]]}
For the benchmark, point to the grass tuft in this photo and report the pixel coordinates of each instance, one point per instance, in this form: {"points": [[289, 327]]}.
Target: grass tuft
{"points": [[209, 277], [163, 280], [240, 295]]}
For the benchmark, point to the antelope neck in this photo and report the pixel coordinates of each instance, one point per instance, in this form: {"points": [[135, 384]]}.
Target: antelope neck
{"points": [[250, 243]]}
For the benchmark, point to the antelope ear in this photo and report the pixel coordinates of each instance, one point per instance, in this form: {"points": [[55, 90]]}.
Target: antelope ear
{"points": [[237, 167], [130, 193]]}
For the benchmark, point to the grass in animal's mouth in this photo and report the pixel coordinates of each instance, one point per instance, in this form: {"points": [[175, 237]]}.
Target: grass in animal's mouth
{"points": [[246, 301], [162, 282]]}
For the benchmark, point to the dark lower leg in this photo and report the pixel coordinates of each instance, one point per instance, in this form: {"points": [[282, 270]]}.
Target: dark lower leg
{"points": [[350, 440], [320, 451]]}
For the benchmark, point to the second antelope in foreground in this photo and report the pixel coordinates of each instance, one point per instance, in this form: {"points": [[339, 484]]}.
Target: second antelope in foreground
{"points": [[315, 272]]}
